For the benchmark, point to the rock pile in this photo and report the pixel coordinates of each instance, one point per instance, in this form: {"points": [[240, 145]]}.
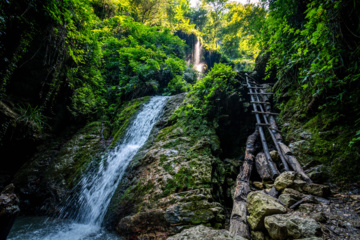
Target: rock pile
{"points": [[276, 212]]}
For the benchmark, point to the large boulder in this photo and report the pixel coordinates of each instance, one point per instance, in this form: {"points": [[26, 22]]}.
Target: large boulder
{"points": [[204, 233], [261, 205], [9, 209], [285, 226], [284, 180]]}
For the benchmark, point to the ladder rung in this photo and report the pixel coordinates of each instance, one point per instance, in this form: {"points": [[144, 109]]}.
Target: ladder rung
{"points": [[270, 113], [260, 102], [260, 93], [262, 124]]}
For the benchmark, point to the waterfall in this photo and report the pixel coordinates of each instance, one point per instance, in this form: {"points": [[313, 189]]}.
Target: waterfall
{"points": [[97, 188], [197, 57]]}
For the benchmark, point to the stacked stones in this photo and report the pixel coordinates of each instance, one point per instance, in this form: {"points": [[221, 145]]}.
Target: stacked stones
{"points": [[279, 210]]}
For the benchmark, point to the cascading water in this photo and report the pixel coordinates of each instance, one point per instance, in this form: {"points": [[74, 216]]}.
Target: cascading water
{"points": [[197, 57], [98, 188]]}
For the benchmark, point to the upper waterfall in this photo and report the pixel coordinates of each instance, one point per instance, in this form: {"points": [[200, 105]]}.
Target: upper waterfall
{"points": [[198, 65]]}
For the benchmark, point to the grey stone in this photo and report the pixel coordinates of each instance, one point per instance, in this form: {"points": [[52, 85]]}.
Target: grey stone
{"points": [[306, 208], [261, 205], [285, 226], [204, 233], [284, 180], [288, 199], [258, 185], [298, 185], [317, 189]]}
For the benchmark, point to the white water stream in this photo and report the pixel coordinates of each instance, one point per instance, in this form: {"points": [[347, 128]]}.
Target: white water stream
{"points": [[97, 188], [198, 65]]}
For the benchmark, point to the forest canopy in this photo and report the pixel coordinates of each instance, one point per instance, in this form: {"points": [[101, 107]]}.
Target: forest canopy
{"points": [[90, 56]]}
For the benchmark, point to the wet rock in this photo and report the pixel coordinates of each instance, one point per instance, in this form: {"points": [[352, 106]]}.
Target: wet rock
{"points": [[317, 189], [9, 209], [261, 205], [204, 233], [284, 180], [285, 226]]}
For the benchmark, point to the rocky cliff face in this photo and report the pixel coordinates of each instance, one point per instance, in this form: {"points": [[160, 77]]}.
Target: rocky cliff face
{"points": [[46, 180], [181, 178]]}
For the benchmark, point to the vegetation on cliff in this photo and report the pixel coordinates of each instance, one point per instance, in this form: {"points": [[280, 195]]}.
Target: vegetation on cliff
{"points": [[74, 73]]}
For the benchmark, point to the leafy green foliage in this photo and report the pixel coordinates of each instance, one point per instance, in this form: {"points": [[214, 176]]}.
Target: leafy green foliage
{"points": [[314, 47], [208, 93], [32, 117], [140, 60]]}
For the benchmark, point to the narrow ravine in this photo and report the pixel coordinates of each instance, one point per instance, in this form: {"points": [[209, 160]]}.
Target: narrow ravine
{"points": [[97, 187]]}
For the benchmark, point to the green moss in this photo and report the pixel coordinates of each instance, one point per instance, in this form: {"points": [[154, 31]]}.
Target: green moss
{"points": [[124, 117], [330, 131]]}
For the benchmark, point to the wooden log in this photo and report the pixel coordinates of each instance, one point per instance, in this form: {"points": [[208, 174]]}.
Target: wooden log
{"points": [[262, 166], [285, 149], [238, 219], [297, 168]]}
